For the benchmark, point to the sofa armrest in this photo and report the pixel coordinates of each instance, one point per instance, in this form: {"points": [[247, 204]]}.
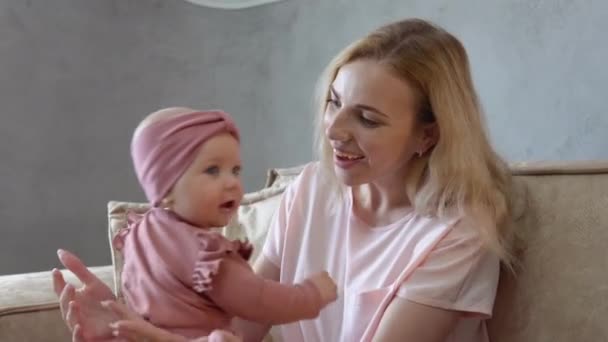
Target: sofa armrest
{"points": [[34, 291], [29, 310]]}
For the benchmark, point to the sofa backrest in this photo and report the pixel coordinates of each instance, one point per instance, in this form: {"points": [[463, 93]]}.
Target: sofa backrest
{"points": [[560, 291]]}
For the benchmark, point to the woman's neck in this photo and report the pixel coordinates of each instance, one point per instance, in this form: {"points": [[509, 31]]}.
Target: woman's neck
{"points": [[380, 205]]}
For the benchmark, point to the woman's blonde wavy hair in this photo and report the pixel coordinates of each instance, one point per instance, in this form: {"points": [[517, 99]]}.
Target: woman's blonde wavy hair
{"points": [[461, 174]]}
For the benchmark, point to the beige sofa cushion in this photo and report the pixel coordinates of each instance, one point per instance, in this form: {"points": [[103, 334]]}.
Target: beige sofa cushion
{"points": [[28, 306]]}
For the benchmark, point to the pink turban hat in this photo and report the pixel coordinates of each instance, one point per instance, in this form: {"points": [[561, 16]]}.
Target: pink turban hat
{"points": [[163, 150]]}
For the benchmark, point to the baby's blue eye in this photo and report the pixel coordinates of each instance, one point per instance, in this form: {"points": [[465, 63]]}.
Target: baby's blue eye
{"points": [[212, 170]]}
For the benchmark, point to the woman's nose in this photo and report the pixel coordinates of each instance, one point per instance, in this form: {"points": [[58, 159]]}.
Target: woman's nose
{"points": [[336, 128]]}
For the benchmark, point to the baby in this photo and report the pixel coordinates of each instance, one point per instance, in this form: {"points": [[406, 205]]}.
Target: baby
{"points": [[179, 274]]}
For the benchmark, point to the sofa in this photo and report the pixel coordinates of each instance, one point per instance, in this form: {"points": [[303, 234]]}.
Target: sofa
{"points": [[558, 293]]}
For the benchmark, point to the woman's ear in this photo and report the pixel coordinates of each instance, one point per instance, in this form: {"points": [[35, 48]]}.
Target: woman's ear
{"points": [[429, 138]]}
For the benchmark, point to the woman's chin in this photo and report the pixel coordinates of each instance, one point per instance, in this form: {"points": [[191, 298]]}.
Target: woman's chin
{"points": [[348, 177]]}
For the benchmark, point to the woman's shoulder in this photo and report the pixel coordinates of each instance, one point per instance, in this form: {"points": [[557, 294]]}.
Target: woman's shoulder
{"points": [[464, 238], [457, 231], [467, 229]]}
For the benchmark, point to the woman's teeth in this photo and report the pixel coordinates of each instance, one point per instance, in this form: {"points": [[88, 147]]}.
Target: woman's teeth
{"points": [[343, 155]]}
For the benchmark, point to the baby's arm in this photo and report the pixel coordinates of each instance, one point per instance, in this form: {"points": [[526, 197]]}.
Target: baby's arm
{"points": [[240, 292], [254, 331]]}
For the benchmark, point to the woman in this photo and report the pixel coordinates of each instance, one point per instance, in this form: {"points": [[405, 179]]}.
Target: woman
{"points": [[407, 209]]}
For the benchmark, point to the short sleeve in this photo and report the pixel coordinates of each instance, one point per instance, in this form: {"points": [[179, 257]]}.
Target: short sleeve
{"points": [[212, 252], [459, 274], [275, 240]]}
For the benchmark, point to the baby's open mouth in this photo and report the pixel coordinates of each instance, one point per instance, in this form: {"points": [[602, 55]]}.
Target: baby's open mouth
{"points": [[228, 205]]}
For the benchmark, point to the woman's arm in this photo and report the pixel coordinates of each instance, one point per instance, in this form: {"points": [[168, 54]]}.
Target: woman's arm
{"points": [[254, 332], [405, 320]]}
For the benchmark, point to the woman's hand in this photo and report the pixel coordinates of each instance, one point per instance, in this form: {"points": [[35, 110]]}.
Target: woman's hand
{"points": [[131, 327], [81, 308]]}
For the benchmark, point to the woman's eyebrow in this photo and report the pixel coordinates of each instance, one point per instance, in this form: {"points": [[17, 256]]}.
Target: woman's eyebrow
{"points": [[359, 106]]}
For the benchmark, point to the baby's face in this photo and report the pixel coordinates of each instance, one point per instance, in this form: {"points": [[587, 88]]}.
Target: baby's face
{"points": [[210, 191]]}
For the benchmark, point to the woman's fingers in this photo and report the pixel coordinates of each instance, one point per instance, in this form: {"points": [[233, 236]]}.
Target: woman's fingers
{"points": [[124, 331], [137, 330], [131, 327], [132, 330], [66, 296], [58, 281], [223, 336], [76, 266], [71, 317], [120, 310], [77, 335]]}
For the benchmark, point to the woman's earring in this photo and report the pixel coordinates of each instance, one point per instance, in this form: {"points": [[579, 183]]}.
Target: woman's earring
{"points": [[167, 203]]}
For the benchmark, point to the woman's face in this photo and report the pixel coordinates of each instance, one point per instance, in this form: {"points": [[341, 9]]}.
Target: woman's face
{"points": [[371, 123]]}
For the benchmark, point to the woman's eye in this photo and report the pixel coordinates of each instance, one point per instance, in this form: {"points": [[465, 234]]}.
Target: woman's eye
{"points": [[335, 103], [368, 122], [212, 170]]}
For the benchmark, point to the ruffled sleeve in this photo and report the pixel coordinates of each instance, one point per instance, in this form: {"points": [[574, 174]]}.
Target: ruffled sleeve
{"points": [[222, 274], [213, 249], [132, 220]]}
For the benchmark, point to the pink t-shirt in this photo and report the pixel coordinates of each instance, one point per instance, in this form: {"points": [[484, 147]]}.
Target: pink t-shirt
{"points": [[430, 261]]}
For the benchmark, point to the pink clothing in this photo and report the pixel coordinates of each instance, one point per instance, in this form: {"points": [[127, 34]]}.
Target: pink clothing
{"points": [[164, 149], [192, 281], [435, 262]]}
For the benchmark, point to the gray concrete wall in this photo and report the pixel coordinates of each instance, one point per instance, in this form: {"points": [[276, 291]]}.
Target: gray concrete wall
{"points": [[77, 75]]}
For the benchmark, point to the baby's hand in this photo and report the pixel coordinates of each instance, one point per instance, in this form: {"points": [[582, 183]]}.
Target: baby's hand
{"points": [[326, 285]]}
